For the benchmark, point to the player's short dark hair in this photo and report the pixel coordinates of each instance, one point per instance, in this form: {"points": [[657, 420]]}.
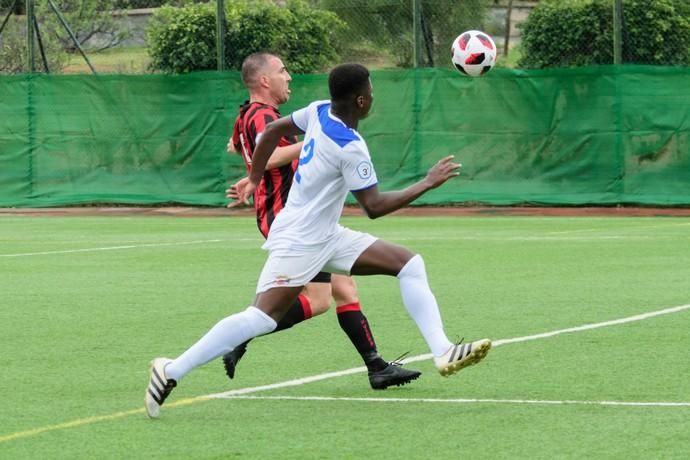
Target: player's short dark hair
{"points": [[252, 65], [347, 81]]}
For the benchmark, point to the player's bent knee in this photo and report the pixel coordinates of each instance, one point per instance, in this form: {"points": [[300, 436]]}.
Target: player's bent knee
{"points": [[276, 301], [318, 308], [414, 267], [344, 290]]}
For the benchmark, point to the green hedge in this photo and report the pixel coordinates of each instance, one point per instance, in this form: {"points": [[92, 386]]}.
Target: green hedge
{"points": [[576, 33], [184, 39], [136, 4]]}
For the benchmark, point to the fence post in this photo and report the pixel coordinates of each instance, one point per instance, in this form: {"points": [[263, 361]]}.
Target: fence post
{"points": [[220, 34], [416, 33], [30, 35], [506, 39], [617, 31]]}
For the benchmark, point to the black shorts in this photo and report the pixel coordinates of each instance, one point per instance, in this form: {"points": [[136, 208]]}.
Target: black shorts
{"points": [[321, 277]]}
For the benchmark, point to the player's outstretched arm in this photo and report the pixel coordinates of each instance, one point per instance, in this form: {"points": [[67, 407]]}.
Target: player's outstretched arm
{"points": [[377, 204]]}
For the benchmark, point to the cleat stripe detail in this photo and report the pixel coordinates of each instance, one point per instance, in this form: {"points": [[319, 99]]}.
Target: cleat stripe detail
{"points": [[452, 355], [155, 398], [465, 355], [156, 386], [155, 391], [158, 377]]}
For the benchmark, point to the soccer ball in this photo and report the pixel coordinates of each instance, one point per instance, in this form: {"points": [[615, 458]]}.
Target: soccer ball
{"points": [[474, 53]]}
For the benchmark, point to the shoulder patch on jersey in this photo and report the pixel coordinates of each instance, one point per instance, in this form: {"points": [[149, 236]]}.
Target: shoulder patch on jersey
{"points": [[364, 170], [335, 130]]}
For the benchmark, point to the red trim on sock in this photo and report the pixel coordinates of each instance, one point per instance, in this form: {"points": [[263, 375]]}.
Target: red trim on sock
{"points": [[306, 306], [349, 307]]}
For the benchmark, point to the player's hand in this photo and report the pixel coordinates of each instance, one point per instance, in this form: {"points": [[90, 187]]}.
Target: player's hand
{"points": [[235, 192], [248, 191], [442, 171], [230, 147]]}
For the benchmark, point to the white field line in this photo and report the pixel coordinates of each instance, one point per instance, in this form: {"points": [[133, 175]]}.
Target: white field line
{"points": [[581, 234], [527, 338], [111, 248], [470, 401], [622, 229], [244, 240], [549, 236], [244, 391], [543, 238]]}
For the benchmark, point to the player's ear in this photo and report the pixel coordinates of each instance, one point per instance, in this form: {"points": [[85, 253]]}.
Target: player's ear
{"points": [[360, 101]]}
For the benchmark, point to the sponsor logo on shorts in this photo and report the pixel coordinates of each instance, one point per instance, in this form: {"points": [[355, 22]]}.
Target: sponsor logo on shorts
{"points": [[282, 280]]}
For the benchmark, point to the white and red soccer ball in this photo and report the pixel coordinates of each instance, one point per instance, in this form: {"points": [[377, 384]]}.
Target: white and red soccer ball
{"points": [[474, 53]]}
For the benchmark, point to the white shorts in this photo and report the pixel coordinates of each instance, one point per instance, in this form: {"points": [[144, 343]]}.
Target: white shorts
{"points": [[290, 267]]}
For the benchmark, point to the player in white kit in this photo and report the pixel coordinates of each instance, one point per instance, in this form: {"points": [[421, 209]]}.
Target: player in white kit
{"points": [[305, 237]]}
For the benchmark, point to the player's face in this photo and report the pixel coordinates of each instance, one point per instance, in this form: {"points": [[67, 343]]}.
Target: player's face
{"points": [[278, 79], [365, 101]]}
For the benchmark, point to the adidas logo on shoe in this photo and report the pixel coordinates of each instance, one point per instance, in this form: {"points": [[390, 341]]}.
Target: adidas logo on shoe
{"points": [[462, 355], [159, 387]]}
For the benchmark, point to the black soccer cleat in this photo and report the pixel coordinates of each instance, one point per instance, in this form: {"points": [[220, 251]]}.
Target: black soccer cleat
{"points": [[393, 374], [231, 359]]}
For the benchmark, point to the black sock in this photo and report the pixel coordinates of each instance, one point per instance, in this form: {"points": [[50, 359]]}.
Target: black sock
{"points": [[298, 312], [356, 326]]}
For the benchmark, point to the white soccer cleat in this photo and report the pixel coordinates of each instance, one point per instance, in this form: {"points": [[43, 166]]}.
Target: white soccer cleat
{"points": [[159, 387], [462, 355]]}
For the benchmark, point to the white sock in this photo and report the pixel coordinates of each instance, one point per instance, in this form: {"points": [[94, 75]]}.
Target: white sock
{"points": [[421, 305], [222, 338]]}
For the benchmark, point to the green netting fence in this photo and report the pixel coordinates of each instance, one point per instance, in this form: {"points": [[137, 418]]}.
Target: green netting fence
{"points": [[584, 136]]}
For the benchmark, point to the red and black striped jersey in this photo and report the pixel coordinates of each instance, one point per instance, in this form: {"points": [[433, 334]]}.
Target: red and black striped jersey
{"points": [[272, 193]]}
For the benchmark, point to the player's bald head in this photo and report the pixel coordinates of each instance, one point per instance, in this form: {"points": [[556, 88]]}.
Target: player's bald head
{"points": [[254, 66]]}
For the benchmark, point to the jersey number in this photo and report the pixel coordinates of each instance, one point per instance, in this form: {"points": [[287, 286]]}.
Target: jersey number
{"points": [[303, 160]]}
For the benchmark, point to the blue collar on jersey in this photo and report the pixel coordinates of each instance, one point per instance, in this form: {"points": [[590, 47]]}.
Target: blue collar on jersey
{"points": [[335, 129]]}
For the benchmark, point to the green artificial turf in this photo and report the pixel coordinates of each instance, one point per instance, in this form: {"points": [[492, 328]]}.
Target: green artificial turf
{"points": [[87, 302]]}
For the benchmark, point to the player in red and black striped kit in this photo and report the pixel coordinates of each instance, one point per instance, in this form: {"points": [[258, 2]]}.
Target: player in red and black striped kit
{"points": [[272, 193], [267, 80]]}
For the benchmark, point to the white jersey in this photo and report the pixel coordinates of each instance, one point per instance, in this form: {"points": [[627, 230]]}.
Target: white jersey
{"points": [[334, 161]]}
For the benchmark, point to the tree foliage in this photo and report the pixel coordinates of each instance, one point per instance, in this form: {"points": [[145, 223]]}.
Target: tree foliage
{"points": [[136, 4], [88, 19], [574, 33], [657, 32], [13, 50], [388, 25], [183, 39]]}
